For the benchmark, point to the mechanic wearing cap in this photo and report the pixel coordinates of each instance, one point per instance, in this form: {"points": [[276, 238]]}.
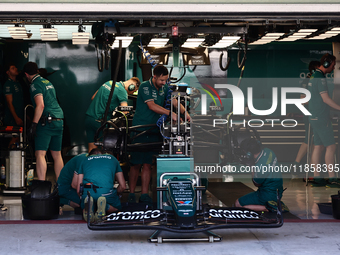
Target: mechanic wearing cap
{"points": [[47, 123], [98, 173], [321, 123], [95, 112], [151, 98], [14, 112], [268, 182], [67, 189]]}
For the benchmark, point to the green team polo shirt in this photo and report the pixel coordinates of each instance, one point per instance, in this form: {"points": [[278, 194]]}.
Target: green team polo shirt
{"points": [[100, 170], [97, 107], [71, 167], [304, 85], [148, 92], [318, 85], [41, 86], [14, 88], [270, 180]]}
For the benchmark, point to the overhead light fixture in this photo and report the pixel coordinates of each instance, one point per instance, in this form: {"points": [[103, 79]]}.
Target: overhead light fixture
{"points": [[126, 41], [48, 33], [81, 37], [267, 38], [307, 30], [193, 42], [158, 42], [300, 34], [327, 34], [18, 32], [225, 42]]}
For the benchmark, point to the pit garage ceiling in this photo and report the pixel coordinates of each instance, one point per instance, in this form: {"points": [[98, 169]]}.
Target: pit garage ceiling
{"points": [[254, 18]]}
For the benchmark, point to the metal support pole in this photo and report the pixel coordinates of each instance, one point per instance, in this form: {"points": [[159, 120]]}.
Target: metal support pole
{"points": [[308, 150]]}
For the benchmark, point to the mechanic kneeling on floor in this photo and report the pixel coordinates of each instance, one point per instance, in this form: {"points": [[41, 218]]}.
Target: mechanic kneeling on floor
{"points": [[98, 173], [268, 182], [67, 188]]}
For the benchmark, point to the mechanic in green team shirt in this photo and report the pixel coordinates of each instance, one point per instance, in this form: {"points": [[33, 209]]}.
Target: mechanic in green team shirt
{"points": [[95, 112], [268, 180], [14, 111], [67, 181], [151, 98], [98, 173], [321, 123], [47, 124]]}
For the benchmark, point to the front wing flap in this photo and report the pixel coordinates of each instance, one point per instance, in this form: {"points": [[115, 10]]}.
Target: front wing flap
{"points": [[209, 219]]}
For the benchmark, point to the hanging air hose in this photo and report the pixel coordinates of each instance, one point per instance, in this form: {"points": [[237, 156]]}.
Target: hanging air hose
{"points": [[221, 65], [103, 123], [191, 70], [147, 54], [103, 58], [107, 54], [100, 59], [184, 72], [113, 82], [172, 67], [241, 64], [239, 79]]}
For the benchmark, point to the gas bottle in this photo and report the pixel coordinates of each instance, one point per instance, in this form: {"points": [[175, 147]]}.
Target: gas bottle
{"points": [[3, 172]]}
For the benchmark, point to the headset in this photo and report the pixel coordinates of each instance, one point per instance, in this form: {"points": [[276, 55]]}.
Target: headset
{"points": [[251, 146], [131, 87], [327, 62]]}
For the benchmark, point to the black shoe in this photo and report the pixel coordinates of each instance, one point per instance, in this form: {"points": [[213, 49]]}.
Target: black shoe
{"points": [[146, 199], [78, 211]]}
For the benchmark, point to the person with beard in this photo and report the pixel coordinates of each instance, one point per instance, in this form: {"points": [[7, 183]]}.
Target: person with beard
{"points": [[152, 95]]}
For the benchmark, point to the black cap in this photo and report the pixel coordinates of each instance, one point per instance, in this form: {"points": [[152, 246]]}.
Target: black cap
{"points": [[251, 145], [31, 68]]}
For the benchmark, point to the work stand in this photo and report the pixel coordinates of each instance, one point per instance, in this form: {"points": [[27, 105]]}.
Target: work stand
{"points": [[181, 237]]}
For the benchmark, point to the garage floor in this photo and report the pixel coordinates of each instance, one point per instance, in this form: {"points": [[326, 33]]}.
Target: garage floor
{"points": [[313, 234], [302, 201]]}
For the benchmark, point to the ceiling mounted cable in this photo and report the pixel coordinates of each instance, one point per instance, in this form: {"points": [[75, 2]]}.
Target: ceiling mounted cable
{"points": [[113, 83], [103, 58], [191, 70], [184, 72], [240, 64], [228, 62], [100, 58], [243, 62], [107, 52]]}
